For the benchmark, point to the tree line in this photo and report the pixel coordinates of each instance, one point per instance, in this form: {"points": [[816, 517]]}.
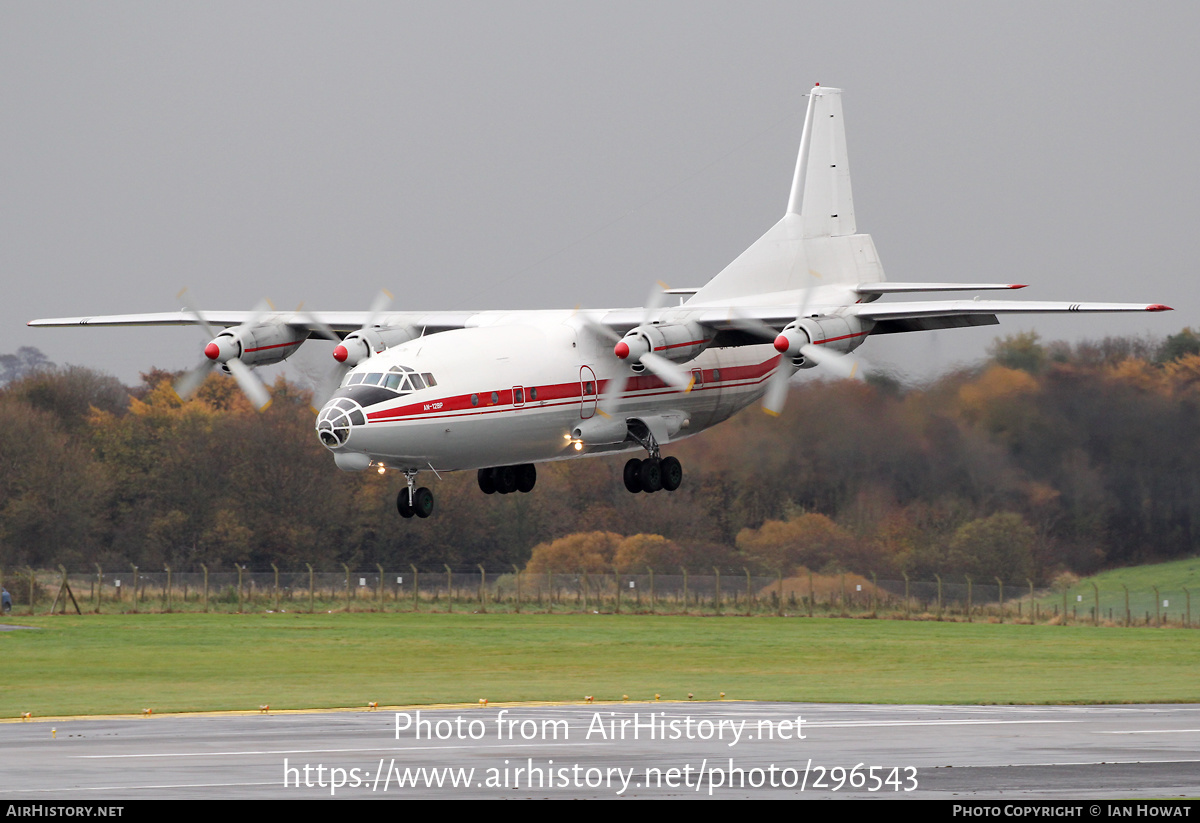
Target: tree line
{"points": [[1044, 458]]}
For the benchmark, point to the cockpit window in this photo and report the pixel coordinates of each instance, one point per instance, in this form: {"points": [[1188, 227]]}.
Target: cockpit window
{"points": [[400, 379]]}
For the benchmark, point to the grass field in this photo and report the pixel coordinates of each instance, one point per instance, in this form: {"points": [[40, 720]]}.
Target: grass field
{"points": [[116, 664]]}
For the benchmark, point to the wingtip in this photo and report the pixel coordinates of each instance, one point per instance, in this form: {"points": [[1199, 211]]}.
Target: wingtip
{"points": [[1159, 307], [771, 412], [1019, 286]]}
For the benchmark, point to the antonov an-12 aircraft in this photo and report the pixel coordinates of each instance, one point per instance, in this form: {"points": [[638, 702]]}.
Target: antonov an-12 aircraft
{"points": [[501, 391]]}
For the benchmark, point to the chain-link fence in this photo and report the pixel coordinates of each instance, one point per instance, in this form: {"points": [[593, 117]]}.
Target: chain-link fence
{"points": [[651, 591]]}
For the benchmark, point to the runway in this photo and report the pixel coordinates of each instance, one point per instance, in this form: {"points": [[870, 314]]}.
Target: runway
{"points": [[643, 750]]}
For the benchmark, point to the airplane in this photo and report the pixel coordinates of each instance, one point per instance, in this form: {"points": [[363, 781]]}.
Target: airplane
{"points": [[499, 392]]}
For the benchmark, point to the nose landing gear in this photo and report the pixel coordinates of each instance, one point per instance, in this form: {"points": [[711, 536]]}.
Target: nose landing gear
{"points": [[413, 501]]}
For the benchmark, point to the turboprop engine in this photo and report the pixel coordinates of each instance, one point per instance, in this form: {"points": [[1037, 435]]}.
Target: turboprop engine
{"points": [[258, 345], [832, 334], [678, 342], [359, 345]]}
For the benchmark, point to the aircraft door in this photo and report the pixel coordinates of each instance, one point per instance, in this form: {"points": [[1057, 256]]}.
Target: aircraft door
{"points": [[587, 392]]}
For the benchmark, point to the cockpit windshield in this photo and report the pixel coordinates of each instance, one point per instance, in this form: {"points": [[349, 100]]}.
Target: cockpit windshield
{"points": [[400, 379]]}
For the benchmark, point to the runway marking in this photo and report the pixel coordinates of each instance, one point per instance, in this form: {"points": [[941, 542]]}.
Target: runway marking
{"points": [[332, 751], [1157, 731], [132, 788]]}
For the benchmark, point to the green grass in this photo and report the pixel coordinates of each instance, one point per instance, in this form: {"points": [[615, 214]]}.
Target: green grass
{"points": [[1170, 578], [112, 664]]}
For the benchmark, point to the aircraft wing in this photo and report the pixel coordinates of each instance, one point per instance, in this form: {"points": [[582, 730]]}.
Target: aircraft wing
{"points": [[342, 322], [905, 316]]}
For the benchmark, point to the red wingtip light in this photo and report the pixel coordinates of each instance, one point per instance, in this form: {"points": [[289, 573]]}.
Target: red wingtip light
{"points": [[1019, 286], [1159, 307], [340, 354], [212, 351], [621, 350], [782, 344]]}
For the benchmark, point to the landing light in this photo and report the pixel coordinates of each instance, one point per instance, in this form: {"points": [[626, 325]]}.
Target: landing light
{"points": [[578, 445], [382, 469]]}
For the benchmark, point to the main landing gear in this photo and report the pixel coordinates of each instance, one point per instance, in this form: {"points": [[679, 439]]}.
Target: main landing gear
{"points": [[412, 500], [508, 479], [653, 473]]}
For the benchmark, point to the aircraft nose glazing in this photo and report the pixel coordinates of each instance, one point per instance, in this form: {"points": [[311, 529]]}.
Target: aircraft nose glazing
{"points": [[335, 421]]}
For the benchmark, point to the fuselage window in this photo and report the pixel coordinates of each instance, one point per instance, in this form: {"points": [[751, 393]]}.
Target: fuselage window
{"points": [[393, 381], [474, 400], [518, 396], [495, 398], [589, 388], [373, 379], [533, 393], [429, 381], [417, 382], [355, 379]]}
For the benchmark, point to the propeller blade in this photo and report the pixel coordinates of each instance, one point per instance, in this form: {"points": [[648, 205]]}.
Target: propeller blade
{"points": [[834, 361], [668, 371], [250, 385], [378, 306], [607, 403], [187, 385], [776, 394]]}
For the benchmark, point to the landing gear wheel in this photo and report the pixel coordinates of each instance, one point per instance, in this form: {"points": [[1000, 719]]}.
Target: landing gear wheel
{"points": [[487, 481], [526, 477], [402, 505], [422, 502], [650, 475], [672, 473], [506, 479], [633, 480]]}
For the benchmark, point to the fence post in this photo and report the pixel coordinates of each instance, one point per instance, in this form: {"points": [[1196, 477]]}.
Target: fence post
{"points": [[779, 595], [685, 588], [717, 594], [517, 572], [379, 589], [874, 594], [449, 589], [843, 599], [416, 602], [651, 589], [276, 570], [1032, 608], [1187, 596], [1157, 608], [968, 597], [99, 586], [312, 592], [168, 592], [240, 569], [205, 569], [1128, 615], [939, 596], [135, 589], [482, 588], [617, 580], [347, 568], [583, 588], [749, 593], [1000, 583], [1096, 598]]}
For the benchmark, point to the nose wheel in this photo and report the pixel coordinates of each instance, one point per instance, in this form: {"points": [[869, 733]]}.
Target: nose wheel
{"points": [[413, 501]]}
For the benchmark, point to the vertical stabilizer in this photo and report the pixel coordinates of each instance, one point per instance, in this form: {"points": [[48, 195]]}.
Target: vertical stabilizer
{"points": [[821, 186], [815, 244]]}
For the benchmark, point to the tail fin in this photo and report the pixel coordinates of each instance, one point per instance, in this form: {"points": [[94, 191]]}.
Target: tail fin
{"points": [[815, 243], [821, 188]]}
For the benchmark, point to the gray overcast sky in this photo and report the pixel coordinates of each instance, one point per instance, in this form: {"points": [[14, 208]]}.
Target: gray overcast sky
{"points": [[543, 155]]}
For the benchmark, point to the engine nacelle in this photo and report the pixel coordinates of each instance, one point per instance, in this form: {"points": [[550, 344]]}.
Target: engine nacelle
{"points": [[679, 342], [260, 346], [840, 334], [600, 431], [359, 345]]}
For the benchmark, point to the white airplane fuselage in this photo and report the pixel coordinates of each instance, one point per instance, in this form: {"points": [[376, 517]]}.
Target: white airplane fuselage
{"points": [[513, 391]]}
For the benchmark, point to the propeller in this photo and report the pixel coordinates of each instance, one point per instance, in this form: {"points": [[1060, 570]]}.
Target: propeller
{"points": [[793, 341], [351, 349], [224, 350], [666, 370]]}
